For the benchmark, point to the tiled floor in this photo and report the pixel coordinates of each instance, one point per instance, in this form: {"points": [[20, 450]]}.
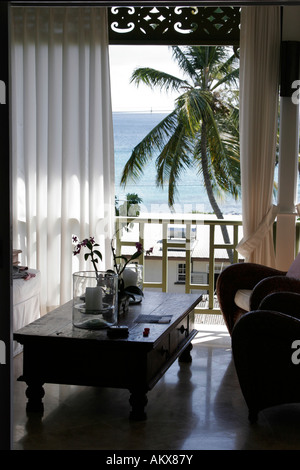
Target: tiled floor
{"points": [[193, 407]]}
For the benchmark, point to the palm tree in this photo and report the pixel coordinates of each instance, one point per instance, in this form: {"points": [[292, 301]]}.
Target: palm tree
{"points": [[202, 130], [131, 205]]}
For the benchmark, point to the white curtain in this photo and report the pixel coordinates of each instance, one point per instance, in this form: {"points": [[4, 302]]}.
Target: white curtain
{"points": [[62, 141], [259, 82]]}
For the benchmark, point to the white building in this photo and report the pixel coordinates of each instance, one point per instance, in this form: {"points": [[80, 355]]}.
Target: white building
{"points": [[176, 234]]}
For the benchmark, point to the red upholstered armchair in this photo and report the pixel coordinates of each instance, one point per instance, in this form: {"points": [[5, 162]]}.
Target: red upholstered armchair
{"points": [[241, 287], [266, 352]]}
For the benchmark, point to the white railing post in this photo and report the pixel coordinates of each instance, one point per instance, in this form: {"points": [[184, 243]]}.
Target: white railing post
{"points": [[188, 261], [211, 279], [165, 258]]}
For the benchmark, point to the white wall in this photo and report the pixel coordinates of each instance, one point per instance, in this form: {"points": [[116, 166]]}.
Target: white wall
{"points": [[153, 272]]}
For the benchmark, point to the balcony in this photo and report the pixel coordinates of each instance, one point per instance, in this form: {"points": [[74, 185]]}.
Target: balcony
{"points": [[193, 242]]}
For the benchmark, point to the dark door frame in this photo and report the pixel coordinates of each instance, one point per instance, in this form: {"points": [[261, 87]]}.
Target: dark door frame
{"points": [[6, 358], [5, 238]]}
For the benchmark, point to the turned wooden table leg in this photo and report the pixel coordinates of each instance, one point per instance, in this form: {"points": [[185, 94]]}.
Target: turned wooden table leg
{"points": [[35, 393], [186, 354], [138, 401]]}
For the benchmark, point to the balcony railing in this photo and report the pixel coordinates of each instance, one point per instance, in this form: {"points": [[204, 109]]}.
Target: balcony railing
{"points": [[189, 224]]}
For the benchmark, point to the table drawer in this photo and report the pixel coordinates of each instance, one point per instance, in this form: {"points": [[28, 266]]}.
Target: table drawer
{"points": [[158, 357], [180, 334]]}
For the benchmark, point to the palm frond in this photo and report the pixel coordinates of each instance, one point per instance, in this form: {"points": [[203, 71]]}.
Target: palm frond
{"points": [[172, 162], [182, 58], [156, 79], [177, 145], [196, 105], [223, 155], [230, 78], [154, 141]]}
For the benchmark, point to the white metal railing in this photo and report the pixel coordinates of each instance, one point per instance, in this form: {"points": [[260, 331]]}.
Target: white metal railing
{"points": [[189, 222]]}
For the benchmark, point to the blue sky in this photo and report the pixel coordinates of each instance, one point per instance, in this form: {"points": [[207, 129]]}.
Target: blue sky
{"points": [[126, 96]]}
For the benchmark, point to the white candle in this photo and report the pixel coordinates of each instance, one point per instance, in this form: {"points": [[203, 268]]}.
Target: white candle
{"points": [[129, 277], [93, 298]]}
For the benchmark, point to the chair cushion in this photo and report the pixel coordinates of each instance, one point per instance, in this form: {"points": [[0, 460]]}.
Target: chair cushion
{"points": [[294, 270], [242, 299]]}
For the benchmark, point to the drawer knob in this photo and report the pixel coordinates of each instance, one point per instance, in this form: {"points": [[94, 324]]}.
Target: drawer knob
{"points": [[182, 330], [164, 351]]}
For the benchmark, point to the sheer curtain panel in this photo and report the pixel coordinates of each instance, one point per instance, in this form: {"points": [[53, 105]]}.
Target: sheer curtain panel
{"points": [[62, 141], [259, 83]]}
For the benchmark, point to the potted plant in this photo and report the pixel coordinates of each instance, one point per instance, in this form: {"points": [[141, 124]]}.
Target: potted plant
{"points": [[95, 293]]}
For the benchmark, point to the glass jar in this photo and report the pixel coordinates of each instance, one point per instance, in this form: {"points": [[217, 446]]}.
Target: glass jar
{"points": [[95, 299]]}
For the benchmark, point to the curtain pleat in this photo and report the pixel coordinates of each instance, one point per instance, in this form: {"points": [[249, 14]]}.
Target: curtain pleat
{"points": [[62, 141], [259, 82]]}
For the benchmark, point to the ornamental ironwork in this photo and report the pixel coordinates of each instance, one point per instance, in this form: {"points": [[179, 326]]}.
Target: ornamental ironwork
{"points": [[183, 25]]}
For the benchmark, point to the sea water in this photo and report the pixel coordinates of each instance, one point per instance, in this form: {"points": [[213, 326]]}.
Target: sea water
{"points": [[129, 130]]}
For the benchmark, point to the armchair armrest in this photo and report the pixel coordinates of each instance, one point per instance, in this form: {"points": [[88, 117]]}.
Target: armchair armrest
{"points": [[245, 275], [271, 285], [239, 276], [263, 356], [284, 302]]}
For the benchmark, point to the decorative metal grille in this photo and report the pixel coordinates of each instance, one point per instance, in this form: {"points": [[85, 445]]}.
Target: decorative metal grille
{"points": [[174, 25]]}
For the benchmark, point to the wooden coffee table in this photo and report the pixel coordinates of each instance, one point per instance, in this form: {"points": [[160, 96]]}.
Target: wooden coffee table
{"points": [[54, 351]]}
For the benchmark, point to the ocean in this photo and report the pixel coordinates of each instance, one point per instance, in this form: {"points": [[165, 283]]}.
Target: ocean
{"points": [[129, 130]]}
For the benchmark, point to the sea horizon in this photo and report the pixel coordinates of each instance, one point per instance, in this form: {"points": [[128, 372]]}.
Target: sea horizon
{"points": [[191, 196], [130, 127]]}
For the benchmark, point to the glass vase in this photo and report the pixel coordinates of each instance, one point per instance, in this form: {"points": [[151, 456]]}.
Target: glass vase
{"points": [[95, 299]]}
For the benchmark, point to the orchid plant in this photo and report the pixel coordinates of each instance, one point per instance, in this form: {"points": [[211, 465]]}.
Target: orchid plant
{"points": [[120, 267], [90, 244], [120, 262]]}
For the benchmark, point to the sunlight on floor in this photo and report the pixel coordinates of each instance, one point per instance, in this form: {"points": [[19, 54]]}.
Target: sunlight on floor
{"points": [[212, 333]]}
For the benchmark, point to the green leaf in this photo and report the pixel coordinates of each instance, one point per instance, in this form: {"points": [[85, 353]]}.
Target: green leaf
{"points": [[134, 290], [136, 255], [89, 245], [98, 253]]}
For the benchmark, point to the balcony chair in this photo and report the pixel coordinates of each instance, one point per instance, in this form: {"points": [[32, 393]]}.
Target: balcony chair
{"points": [[242, 286], [266, 353]]}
